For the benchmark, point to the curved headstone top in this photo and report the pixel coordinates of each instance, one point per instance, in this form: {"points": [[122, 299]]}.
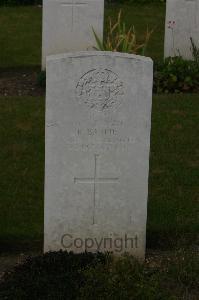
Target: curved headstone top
{"points": [[110, 54]]}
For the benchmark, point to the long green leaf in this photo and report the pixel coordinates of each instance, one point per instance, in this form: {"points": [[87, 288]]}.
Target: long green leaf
{"points": [[99, 43]]}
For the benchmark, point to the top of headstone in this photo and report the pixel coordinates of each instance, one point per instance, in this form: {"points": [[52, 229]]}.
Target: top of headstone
{"points": [[98, 53]]}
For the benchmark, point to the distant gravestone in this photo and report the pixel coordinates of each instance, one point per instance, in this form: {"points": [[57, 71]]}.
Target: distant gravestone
{"points": [[67, 25], [182, 23], [98, 116]]}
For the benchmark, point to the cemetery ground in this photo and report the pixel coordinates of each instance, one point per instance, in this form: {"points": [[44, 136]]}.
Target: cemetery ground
{"points": [[173, 223]]}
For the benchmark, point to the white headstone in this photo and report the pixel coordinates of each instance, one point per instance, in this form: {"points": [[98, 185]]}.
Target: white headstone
{"points": [[67, 25], [98, 116], [182, 23]]}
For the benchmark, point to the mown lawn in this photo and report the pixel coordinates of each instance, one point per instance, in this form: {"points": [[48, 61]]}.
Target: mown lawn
{"points": [[22, 170], [173, 186], [174, 171], [20, 36], [20, 31]]}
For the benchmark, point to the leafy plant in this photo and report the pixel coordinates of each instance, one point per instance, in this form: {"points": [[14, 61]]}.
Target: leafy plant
{"points": [[176, 75], [121, 39], [62, 275], [123, 278], [54, 275]]}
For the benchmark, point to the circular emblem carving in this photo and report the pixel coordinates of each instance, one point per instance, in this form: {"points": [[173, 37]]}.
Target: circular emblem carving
{"points": [[100, 89]]}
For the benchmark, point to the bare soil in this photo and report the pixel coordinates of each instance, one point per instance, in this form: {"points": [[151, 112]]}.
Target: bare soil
{"points": [[9, 261], [20, 83]]}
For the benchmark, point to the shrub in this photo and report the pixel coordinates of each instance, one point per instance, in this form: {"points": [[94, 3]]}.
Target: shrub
{"points": [[54, 275], [62, 275], [176, 75], [125, 278], [171, 278]]}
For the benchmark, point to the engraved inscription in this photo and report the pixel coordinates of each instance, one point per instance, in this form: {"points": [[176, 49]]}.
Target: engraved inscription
{"points": [[97, 131], [94, 137], [100, 90]]}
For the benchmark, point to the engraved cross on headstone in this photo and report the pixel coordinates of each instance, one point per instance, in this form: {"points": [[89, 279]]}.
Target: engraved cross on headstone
{"points": [[95, 180], [73, 4]]}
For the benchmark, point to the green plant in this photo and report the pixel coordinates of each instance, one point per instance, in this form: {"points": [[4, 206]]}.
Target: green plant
{"points": [[54, 275], [121, 278], [121, 39], [125, 278], [176, 75], [86, 276]]}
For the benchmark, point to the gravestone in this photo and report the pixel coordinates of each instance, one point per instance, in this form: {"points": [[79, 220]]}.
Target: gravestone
{"points": [[67, 25], [182, 23], [98, 110]]}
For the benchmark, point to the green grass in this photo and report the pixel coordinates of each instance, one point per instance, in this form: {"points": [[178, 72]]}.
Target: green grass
{"points": [[174, 170], [20, 31], [22, 170], [20, 36], [173, 185]]}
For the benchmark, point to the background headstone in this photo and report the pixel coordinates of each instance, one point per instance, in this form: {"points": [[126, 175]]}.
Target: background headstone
{"points": [[98, 116], [182, 22], [67, 25]]}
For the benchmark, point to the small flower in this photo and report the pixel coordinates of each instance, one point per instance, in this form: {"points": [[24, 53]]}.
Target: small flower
{"points": [[171, 24]]}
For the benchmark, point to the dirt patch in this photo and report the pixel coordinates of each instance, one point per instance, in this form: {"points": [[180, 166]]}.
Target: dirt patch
{"points": [[8, 262], [20, 83]]}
